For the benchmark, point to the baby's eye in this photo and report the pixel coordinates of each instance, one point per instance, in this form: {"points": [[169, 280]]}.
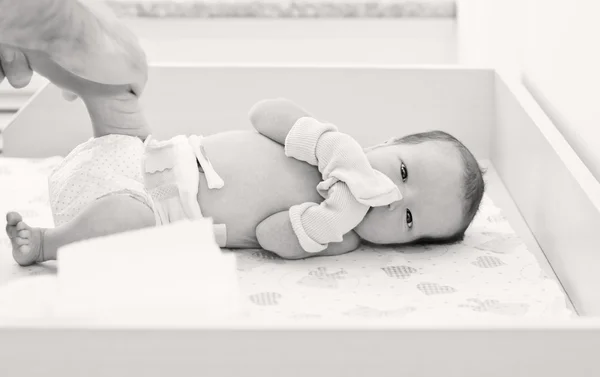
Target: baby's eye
{"points": [[403, 171], [409, 219]]}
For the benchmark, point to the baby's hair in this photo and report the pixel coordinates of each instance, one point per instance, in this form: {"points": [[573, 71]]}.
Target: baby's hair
{"points": [[473, 183]]}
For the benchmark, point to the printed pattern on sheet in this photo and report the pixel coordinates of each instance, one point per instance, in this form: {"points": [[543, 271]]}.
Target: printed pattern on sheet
{"points": [[490, 274]]}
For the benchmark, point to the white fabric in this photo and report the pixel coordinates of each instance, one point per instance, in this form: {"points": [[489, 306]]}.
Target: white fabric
{"points": [[213, 180], [162, 175], [171, 177], [339, 157], [491, 274], [350, 186], [101, 166]]}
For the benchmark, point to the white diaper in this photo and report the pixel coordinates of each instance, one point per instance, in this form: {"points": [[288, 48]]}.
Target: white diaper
{"points": [[163, 175], [171, 178], [99, 167]]}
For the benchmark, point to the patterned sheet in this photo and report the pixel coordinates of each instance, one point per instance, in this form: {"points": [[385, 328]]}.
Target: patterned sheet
{"points": [[490, 274]]}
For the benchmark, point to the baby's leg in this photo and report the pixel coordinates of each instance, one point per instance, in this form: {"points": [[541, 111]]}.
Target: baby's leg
{"points": [[113, 109], [108, 215]]}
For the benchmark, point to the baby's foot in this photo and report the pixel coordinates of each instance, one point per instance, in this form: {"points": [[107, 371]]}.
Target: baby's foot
{"points": [[26, 241]]}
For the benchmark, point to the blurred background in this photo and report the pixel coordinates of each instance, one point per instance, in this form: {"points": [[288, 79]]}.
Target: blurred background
{"points": [[549, 45]]}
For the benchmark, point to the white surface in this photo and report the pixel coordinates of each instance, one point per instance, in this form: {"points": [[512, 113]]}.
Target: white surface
{"points": [[371, 103], [561, 61], [420, 347], [400, 41], [472, 349], [5, 118], [490, 275], [385, 102], [173, 273], [136, 277], [288, 41], [554, 190], [491, 33], [551, 44], [273, 1]]}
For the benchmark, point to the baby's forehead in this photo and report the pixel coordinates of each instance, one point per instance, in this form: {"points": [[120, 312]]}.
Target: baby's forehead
{"points": [[437, 173], [439, 154], [435, 168]]}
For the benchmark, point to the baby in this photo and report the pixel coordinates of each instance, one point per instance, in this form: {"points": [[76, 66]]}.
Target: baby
{"points": [[296, 186]]}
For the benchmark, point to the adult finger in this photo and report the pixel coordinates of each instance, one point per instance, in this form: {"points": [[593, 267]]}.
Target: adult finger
{"points": [[16, 67]]}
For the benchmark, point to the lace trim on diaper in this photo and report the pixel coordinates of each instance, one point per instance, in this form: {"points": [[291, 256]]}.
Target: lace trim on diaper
{"points": [[132, 194], [159, 157], [164, 192]]}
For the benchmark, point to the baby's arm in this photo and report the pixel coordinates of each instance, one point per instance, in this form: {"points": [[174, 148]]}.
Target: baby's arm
{"points": [[274, 118], [352, 185], [275, 234]]}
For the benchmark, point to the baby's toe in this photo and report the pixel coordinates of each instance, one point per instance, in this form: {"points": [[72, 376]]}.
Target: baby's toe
{"points": [[13, 218], [25, 242], [11, 231], [22, 226], [21, 241]]}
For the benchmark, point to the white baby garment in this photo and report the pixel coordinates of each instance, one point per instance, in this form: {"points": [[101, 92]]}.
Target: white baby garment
{"points": [[163, 175], [350, 185], [171, 178], [101, 166]]}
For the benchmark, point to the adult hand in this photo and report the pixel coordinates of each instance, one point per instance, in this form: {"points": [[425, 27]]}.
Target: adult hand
{"points": [[14, 67]]}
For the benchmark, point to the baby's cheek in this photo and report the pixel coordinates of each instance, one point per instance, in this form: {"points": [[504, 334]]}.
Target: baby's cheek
{"points": [[372, 228]]}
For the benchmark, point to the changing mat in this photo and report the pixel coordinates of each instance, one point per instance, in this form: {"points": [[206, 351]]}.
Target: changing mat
{"points": [[490, 274]]}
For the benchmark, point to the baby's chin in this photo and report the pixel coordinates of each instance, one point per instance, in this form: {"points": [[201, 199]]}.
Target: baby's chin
{"points": [[374, 227], [362, 229]]}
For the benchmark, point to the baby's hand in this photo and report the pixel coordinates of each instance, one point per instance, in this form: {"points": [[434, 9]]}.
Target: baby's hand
{"points": [[275, 234], [274, 118]]}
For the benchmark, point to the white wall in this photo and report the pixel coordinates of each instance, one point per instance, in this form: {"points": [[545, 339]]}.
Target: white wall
{"points": [[553, 46], [271, 41], [299, 41], [561, 65], [490, 33]]}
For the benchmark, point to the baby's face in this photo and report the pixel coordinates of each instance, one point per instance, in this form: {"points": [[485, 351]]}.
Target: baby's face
{"points": [[429, 176]]}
